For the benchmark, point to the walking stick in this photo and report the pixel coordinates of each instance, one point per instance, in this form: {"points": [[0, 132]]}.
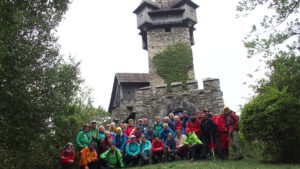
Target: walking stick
{"points": [[212, 148]]}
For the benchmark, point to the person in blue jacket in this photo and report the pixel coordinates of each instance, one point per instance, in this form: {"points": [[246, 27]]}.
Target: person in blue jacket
{"points": [[133, 150], [163, 135], [145, 149], [170, 147], [120, 139]]}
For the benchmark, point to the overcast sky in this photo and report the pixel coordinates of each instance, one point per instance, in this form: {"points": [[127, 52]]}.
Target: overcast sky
{"points": [[104, 37]]}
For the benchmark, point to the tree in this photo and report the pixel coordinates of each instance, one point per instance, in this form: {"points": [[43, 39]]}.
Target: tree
{"points": [[279, 27], [273, 114], [36, 84]]}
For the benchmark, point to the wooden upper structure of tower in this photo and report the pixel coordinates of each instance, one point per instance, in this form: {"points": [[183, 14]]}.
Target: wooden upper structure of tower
{"points": [[153, 14]]}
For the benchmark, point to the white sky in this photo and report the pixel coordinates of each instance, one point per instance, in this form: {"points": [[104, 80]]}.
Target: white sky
{"points": [[104, 37]]}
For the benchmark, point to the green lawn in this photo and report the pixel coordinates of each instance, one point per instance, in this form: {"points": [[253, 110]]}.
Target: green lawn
{"points": [[230, 164]]}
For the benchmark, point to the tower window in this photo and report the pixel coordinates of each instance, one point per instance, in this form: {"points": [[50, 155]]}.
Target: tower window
{"points": [[168, 29]]}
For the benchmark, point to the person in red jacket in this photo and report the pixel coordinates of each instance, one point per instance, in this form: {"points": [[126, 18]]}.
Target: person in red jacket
{"points": [[222, 132], [157, 149], [67, 156], [194, 125], [178, 123], [232, 123], [130, 128]]}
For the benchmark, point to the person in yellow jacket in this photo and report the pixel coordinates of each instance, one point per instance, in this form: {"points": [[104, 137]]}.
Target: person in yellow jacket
{"points": [[88, 159]]}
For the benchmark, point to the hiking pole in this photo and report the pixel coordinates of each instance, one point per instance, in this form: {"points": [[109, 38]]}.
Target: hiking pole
{"points": [[212, 148]]}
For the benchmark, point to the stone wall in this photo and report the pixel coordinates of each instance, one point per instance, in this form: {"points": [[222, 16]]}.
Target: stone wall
{"points": [[158, 40], [156, 101]]}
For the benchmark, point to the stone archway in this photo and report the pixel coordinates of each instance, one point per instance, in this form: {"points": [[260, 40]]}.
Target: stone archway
{"points": [[178, 106]]}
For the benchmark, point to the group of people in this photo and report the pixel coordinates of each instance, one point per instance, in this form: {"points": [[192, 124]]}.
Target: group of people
{"points": [[184, 136]]}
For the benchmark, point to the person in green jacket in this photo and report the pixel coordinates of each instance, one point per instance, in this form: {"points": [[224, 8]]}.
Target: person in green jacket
{"points": [[93, 130], [133, 150], [112, 158], [83, 137], [145, 149], [193, 143]]}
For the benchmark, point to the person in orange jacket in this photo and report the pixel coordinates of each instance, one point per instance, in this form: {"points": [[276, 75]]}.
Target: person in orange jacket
{"points": [[88, 159]]}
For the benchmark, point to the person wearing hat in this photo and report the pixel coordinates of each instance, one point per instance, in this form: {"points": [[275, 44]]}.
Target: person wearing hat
{"points": [[232, 123], [133, 149], [88, 159], [145, 149], [67, 156], [112, 158], [193, 143], [83, 137], [93, 130], [120, 139]]}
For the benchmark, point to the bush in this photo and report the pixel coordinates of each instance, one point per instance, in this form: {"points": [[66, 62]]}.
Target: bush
{"points": [[273, 118]]}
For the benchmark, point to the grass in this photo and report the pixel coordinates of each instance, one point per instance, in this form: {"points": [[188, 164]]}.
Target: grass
{"points": [[227, 164]]}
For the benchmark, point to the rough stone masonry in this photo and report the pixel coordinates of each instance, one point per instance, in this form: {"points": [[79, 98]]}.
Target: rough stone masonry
{"points": [[163, 23]]}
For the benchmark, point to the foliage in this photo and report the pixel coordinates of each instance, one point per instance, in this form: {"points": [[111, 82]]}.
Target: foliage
{"points": [[272, 117], [279, 27], [173, 63], [39, 103]]}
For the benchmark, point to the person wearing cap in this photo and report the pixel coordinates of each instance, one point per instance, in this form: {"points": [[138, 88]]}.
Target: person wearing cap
{"points": [[170, 146], [157, 126], [83, 137], [120, 139], [112, 158], [163, 135], [133, 149], [67, 156], [232, 123], [157, 150], [145, 149], [93, 130], [193, 143], [88, 159]]}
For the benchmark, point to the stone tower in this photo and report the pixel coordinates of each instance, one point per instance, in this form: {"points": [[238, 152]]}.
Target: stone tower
{"points": [[139, 95], [163, 23]]}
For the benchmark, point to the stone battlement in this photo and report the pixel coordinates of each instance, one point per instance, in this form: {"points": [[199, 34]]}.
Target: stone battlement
{"points": [[156, 101]]}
